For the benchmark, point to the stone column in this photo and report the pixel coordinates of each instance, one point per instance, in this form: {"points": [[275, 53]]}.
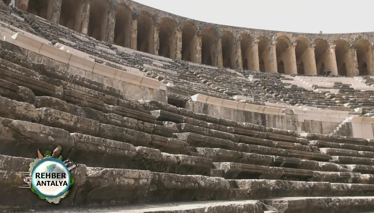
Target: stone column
{"points": [[255, 62], [370, 61], [198, 43], [156, 40], [85, 16], [178, 46], [24, 5], [218, 56], [111, 22], [352, 66], [134, 34], [332, 64], [309, 60], [272, 62], [292, 66], [238, 55], [56, 11]]}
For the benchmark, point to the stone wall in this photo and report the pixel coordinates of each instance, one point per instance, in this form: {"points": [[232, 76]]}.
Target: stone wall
{"points": [[143, 28]]}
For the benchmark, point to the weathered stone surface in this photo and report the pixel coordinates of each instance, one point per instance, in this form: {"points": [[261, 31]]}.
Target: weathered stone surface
{"points": [[18, 110], [326, 144], [346, 152], [352, 160], [123, 134], [57, 104], [21, 138], [171, 145], [167, 116]]}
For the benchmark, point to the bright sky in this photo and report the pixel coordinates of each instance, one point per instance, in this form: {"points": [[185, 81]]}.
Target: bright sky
{"points": [[329, 16]]}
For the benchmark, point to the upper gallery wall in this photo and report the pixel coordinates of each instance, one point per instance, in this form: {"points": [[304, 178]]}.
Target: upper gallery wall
{"points": [[133, 25]]}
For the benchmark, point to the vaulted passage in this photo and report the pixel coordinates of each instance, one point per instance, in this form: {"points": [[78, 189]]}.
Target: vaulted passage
{"points": [[302, 45], [167, 38], [71, 14], [364, 57], [264, 54], [322, 55], [98, 19], [228, 50], [208, 37], [42, 8], [343, 58], [145, 33], [247, 52], [189, 42], [286, 54], [122, 31]]}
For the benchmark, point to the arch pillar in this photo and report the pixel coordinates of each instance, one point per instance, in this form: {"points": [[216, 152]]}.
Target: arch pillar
{"points": [[273, 67], [371, 61], [178, 46], [352, 66], [331, 58], [56, 11], [255, 64], [156, 39], [309, 59], [24, 5], [197, 42], [111, 22], [134, 34], [85, 16], [219, 56], [291, 67], [238, 55]]}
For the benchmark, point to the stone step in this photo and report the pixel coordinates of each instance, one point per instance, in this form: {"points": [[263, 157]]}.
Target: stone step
{"points": [[364, 169], [96, 186], [352, 160], [198, 140], [336, 139], [21, 138], [325, 144], [327, 204], [224, 155], [250, 171], [266, 189], [346, 152]]}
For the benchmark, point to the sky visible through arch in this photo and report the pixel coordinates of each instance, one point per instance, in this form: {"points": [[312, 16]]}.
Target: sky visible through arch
{"points": [[329, 16]]}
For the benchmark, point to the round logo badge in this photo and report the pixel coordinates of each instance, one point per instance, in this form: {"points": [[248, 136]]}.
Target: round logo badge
{"points": [[50, 178]]}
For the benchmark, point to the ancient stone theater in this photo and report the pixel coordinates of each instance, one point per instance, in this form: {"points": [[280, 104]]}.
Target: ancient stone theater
{"points": [[153, 112]]}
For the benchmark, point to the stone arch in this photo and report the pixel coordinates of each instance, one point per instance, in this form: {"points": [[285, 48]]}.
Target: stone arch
{"points": [[41, 8], [228, 51], [321, 52], [246, 44], [302, 45], [145, 34], [343, 58], [98, 19], [122, 30], [264, 54], [209, 46], [284, 53], [189, 42], [364, 57], [71, 14], [167, 38]]}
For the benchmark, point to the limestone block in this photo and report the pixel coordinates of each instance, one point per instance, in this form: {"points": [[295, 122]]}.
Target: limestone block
{"points": [[55, 53], [131, 78], [200, 98], [230, 104], [103, 70], [18, 110], [81, 63], [241, 106], [214, 101], [251, 107], [27, 42], [150, 83]]}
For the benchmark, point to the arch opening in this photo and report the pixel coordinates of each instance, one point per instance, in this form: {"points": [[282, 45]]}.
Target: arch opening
{"points": [[264, 54], [145, 33], [321, 52], [283, 54], [228, 51], [208, 47], [189, 42], [247, 57], [364, 56], [343, 57], [41, 8], [167, 38], [302, 45], [122, 30], [71, 11], [98, 19]]}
